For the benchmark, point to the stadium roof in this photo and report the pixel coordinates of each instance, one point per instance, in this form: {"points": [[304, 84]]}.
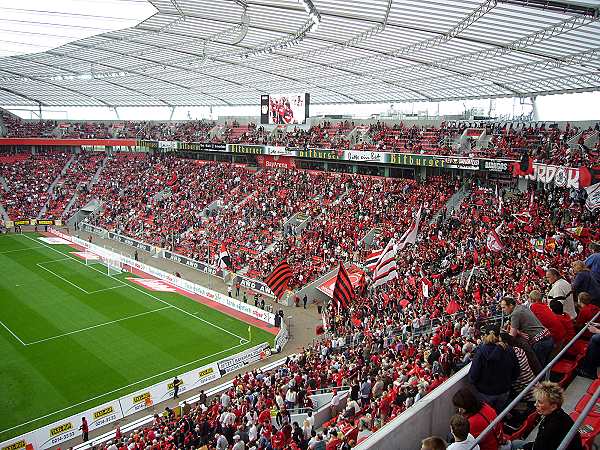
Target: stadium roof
{"points": [[228, 52]]}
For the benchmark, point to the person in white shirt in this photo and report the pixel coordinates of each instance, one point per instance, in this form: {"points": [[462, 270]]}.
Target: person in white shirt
{"points": [[561, 290], [253, 433], [463, 440], [225, 400], [221, 442], [335, 403], [238, 443], [290, 398]]}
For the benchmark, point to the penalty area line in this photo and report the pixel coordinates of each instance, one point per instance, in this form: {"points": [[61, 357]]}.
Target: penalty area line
{"points": [[146, 293], [119, 389]]}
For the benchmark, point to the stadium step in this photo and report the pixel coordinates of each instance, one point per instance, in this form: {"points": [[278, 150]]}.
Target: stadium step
{"points": [[3, 214]]}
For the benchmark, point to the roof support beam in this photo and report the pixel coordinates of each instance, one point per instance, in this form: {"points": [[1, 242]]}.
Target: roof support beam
{"points": [[26, 97], [40, 80], [52, 52]]}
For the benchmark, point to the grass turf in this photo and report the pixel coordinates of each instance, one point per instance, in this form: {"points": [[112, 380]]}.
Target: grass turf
{"points": [[70, 333]]}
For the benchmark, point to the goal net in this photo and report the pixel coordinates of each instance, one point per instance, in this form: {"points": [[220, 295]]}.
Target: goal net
{"points": [[114, 266]]}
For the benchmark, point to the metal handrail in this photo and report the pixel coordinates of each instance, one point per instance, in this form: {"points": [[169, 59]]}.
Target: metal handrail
{"points": [[582, 416], [533, 382]]}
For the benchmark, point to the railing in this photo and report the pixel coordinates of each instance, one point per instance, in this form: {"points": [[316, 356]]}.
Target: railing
{"points": [[533, 382], [575, 428]]}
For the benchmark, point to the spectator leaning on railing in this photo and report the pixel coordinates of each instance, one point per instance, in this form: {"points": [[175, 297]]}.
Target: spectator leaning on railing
{"points": [[524, 324]]}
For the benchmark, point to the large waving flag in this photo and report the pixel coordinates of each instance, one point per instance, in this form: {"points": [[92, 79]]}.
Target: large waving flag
{"points": [[593, 197], [386, 268], [225, 259], [494, 243], [279, 278], [410, 235], [372, 259], [343, 292]]}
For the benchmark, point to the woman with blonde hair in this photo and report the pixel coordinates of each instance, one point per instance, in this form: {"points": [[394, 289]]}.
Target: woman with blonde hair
{"points": [[555, 424]]}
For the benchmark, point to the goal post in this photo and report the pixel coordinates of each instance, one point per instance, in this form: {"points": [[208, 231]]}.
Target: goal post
{"points": [[114, 266], [91, 258]]}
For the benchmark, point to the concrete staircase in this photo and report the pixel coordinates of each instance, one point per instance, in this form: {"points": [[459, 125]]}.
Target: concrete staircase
{"points": [[452, 204], [96, 176], [4, 184], [3, 214], [298, 221], [53, 185]]}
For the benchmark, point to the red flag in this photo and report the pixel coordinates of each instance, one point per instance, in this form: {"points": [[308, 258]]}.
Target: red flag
{"points": [[452, 307], [279, 278], [343, 293]]}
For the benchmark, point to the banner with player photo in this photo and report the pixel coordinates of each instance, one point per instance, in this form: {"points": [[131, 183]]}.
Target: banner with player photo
{"points": [[285, 108]]}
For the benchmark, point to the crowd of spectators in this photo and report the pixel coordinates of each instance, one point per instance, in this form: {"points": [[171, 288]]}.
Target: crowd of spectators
{"points": [[395, 356], [542, 141], [74, 181], [28, 181]]}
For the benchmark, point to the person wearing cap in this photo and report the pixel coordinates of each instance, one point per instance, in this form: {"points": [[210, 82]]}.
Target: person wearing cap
{"points": [[238, 443]]}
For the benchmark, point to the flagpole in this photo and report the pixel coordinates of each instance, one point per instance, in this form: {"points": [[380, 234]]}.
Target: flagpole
{"points": [[469, 279]]}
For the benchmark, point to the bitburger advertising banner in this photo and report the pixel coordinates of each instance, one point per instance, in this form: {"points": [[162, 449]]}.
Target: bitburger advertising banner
{"points": [[244, 148]]}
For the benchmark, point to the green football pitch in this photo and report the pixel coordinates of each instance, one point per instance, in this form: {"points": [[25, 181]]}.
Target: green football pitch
{"points": [[72, 337]]}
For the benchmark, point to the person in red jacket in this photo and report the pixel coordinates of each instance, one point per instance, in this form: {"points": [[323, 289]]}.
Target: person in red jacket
{"points": [[557, 308], [545, 315], [85, 429], [587, 310], [479, 415]]}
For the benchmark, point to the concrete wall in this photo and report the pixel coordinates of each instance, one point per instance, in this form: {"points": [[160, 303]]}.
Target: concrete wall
{"points": [[428, 417]]}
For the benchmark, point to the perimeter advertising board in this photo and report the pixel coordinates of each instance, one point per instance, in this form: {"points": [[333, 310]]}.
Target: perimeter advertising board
{"points": [[197, 265]]}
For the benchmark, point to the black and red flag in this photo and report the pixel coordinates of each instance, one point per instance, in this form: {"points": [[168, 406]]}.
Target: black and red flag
{"points": [[343, 292], [524, 166], [279, 278]]}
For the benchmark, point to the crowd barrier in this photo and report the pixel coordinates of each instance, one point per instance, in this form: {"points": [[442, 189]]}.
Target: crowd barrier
{"points": [[68, 428]]}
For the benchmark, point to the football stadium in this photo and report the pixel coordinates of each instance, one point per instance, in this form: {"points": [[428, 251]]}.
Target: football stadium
{"points": [[300, 225]]}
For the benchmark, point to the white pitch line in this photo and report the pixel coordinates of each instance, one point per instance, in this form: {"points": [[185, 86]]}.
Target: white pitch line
{"points": [[107, 289], [63, 278], [121, 388], [149, 294], [20, 249], [11, 332], [97, 326]]}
